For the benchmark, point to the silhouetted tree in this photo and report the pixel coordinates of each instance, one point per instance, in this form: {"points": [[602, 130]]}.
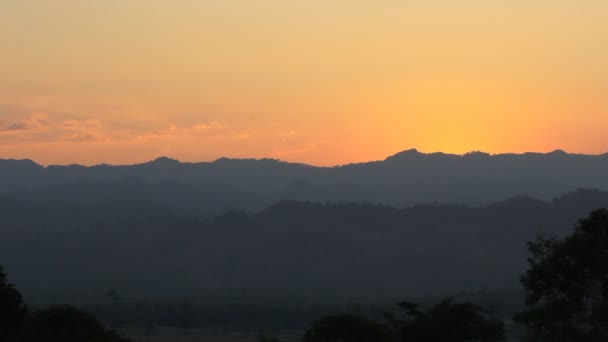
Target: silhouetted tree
{"points": [[346, 328], [449, 322], [114, 297], [185, 315], [12, 309], [268, 338], [150, 320], [65, 324], [567, 284]]}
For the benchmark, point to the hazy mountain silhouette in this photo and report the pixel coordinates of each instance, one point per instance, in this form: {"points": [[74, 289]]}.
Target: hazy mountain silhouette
{"points": [[323, 251], [406, 178]]}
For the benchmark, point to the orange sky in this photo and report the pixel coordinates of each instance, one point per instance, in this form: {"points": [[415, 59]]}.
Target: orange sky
{"points": [[320, 81]]}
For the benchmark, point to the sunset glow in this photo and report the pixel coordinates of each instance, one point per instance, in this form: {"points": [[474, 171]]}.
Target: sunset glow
{"points": [[323, 82]]}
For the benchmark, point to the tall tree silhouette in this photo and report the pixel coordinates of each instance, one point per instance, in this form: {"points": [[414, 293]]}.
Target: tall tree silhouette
{"points": [[185, 315], [567, 284], [12, 309], [114, 297]]}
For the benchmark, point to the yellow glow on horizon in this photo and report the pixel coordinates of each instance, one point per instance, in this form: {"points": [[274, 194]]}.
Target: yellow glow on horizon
{"points": [[323, 82]]}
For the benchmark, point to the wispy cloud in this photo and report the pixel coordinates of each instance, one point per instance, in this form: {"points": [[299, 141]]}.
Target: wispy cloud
{"points": [[295, 150], [211, 129], [41, 127], [213, 125], [72, 138], [36, 122], [81, 130]]}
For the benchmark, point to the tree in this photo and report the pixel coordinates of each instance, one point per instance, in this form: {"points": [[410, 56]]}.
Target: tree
{"points": [[268, 338], [185, 315], [66, 324], [114, 297], [346, 328], [567, 284], [448, 322], [12, 310]]}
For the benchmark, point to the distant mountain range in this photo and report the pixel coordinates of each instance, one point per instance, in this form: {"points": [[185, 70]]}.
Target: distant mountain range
{"points": [[315, 252], [411, 224], [407, 178]]}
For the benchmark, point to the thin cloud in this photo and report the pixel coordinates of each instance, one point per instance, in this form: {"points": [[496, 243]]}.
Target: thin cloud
{"points": [[199, 129], [81, 130], [40, 127], [172, 130], [36, 122], [299, 149], [213, 125], [286, 134]]}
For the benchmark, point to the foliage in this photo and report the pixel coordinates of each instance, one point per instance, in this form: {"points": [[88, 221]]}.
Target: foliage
{"points": [[12, 309], [346, 328], [567, 284], [66, 324], [333, 253], [268, 338], [444, 322], [448, 321]]}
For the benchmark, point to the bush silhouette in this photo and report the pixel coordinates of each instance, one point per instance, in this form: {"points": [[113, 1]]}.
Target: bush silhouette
{"points": [[449, 322], [346, 328], [66, 324]]}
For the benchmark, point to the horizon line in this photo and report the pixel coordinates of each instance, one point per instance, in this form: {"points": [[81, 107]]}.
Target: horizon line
{"points": [[412, 151]]}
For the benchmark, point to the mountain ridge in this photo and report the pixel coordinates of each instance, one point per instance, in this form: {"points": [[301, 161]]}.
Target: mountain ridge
{"points": [[402, 154], [405, 178], [329, 251]]}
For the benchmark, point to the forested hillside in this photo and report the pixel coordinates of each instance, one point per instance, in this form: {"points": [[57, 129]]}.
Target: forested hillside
{"points": [[325, 251]]}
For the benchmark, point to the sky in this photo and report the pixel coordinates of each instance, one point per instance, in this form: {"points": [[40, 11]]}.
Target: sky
{"points": [[323, 82]]}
